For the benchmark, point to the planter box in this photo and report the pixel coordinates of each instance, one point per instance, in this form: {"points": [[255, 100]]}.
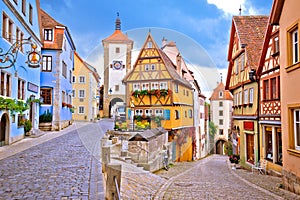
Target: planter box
{"points": [[45, 126]]}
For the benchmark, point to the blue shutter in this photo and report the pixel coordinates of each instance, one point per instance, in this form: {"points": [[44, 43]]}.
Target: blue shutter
{"points": [[129, 113], [167, 114]]}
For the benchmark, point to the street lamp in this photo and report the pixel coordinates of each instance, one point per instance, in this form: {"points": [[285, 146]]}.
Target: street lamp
{"points": [[9, 58], [132, 116]]}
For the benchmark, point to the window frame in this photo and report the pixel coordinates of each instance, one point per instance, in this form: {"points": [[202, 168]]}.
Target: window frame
{"points": [[46, 62], [48, 34], [292, 148], [46, 101], [81, 93], [291, 64], [81, 79]]}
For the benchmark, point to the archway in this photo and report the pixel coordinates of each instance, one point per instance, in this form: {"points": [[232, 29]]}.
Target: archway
{"points": [[220, 147], [112, 105], [3, 129]]}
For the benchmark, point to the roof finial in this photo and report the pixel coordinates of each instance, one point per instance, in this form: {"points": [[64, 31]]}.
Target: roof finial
{"points": [[240, 10], [118, 22]]}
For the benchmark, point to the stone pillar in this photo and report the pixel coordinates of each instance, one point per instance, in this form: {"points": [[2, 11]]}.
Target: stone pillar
{"points": [[113, 182]]}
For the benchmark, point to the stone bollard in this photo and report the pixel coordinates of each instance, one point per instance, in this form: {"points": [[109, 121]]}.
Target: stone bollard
{"points": [[105, 153], [113, 182]]}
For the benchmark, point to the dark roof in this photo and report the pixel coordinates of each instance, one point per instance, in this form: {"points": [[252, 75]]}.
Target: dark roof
{"points": [[148, 135]]}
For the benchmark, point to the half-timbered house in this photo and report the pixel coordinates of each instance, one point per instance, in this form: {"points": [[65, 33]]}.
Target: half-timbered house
{"points": [[268, 74], [157, 95], [245, 45]]}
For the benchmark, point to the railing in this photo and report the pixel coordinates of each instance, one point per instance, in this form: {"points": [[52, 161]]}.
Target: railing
{"points": [[117, 188]]}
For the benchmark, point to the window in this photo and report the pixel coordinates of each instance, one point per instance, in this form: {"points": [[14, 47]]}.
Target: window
{"points": [[117, 49], [5, 85], [220, 112], [190, 113], [145, 86], [64, 69], [30, 14], [251, 95], [21, 89], [273, 88], [81, 93], [250, 148], [146, 67], [240, 98], [220, 121], [221, 132], [220, 94], [81, 109], [65, 44], [155, 86], [220, 103], [18, 35], [236, 64], [148, 112], [269, 143], [70, 76], [242, 61], [276, 45], [63, 96], [117, 88], [266, 90], [163, 85], [74, 79], [153, 67], [149, 44], [297, 128], [295, 47], [159, 112], [136, 86], [246, 97], [7, 28], [81, 79], [139, 112], [48, 34], [73, 93], [47, 64], [177, 114], [46, 94], [21, 39], [176, 87], [24, 7]]}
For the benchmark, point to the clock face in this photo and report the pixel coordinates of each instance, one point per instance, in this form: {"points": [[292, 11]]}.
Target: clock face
{"points": [[118, 65]]}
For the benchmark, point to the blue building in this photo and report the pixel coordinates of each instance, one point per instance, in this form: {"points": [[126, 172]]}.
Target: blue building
{"points": [[56, 73], [19, 68]]}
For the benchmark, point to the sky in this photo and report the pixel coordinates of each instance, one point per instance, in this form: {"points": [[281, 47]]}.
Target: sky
{"points": [[202, 23]]}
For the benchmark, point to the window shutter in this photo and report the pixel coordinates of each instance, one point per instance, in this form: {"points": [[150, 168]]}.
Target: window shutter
{"points": [[167, 114]]}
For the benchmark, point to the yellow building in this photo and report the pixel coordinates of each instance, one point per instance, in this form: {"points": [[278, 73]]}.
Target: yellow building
{"points": [[158, 95], [245, 47], [85, 91]]}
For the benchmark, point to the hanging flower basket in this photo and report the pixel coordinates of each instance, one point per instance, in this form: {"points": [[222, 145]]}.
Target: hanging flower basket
{"points": [[64, 104]]}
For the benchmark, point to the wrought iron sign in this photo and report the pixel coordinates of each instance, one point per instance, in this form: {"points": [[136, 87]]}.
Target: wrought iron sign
{"points": [[9, 58]]}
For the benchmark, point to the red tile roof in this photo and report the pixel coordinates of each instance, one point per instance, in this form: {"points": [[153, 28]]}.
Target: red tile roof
{"points": [[117, 36], [251, 31], [226, 94]]}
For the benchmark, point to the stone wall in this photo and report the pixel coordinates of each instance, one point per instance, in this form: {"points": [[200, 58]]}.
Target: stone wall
{"points": [[291, 182]]}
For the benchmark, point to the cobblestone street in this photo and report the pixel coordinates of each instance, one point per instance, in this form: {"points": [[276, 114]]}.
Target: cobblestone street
{"points": [[59, 168]]}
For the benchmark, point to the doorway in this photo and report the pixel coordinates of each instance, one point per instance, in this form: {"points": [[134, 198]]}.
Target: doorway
{"points": [[3, 129]]}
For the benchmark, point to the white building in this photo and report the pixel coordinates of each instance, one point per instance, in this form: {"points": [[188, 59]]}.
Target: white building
{"points": [[221, 102]]}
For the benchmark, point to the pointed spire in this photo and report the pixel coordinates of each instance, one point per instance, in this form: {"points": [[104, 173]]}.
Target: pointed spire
{"points": [[240, 10], [221, 77], [118, 22]]}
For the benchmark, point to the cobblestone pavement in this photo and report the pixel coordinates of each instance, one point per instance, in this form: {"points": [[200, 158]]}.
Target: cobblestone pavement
{"points": [[62, 167], [212, 178]]}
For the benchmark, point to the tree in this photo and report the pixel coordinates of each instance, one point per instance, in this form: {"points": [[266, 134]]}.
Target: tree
{"points": [[212, 132]]}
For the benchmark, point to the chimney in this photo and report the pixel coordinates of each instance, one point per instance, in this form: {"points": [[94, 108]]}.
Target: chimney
{"points": [[178, 65]]}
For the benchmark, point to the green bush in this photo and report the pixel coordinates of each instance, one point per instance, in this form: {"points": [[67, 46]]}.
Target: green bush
{"points": [[27, 125], [46, 117]]}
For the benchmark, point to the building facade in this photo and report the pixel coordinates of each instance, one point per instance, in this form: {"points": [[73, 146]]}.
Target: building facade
{"points": [[221, 113], [245, 46], [56, 73], [268, 75], [159, 96], [19, 79], [286, 15], [117, 63], [85, 95]]}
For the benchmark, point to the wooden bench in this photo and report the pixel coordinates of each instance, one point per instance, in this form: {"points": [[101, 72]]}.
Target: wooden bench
{"points": [[260, 166]]}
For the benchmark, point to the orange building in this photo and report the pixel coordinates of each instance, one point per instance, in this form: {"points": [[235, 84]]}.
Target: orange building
{"points": [[286, 15]]}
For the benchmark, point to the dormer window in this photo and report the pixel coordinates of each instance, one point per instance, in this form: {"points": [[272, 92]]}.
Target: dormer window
{"points": [[48, 34], [149, 44], [220, 94]]}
